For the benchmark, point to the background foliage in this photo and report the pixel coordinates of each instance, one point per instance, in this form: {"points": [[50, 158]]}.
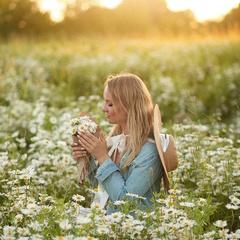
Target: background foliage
{"points": [[194, 79], [22, 18]]}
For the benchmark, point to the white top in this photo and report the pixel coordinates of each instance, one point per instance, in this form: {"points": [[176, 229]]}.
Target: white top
{"points": [[114, 143]]}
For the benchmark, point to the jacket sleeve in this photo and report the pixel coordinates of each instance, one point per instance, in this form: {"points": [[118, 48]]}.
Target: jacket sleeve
{"points": [[138, 178]]}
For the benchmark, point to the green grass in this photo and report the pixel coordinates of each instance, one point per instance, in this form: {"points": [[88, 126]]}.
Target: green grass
{"points": [[187, 79]]}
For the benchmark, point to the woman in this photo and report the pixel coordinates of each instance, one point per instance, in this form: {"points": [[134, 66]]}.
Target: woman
{"points": [[128, 161]]}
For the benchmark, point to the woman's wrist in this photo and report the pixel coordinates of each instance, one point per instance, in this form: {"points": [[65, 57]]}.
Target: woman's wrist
{"points": [[102, 159]]}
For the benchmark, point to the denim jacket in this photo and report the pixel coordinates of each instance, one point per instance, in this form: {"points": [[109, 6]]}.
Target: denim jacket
{"points": [[142, 177]]}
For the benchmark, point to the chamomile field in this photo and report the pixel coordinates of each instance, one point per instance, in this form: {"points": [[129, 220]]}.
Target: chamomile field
{"points": [[43, 85]]}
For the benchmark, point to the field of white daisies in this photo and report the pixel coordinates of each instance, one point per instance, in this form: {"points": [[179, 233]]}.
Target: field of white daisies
{"points": [[44, 85]]}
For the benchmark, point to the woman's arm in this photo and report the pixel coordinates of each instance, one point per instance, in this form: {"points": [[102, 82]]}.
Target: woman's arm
{"points": [[137, 179]]}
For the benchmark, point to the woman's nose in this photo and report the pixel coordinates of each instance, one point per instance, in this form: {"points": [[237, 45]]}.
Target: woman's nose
{"points": [[104, 108]]}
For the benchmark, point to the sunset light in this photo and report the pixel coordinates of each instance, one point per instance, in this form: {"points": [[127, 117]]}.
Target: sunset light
{"points": [[55, 7], [110, 3], [202, 9]]}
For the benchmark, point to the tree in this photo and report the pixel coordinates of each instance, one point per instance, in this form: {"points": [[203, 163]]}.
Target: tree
{"points": [[232, 20], [22, 17]]}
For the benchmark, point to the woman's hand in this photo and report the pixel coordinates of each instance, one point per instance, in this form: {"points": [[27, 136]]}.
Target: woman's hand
{"points": [[78, 151], [95, 146]]}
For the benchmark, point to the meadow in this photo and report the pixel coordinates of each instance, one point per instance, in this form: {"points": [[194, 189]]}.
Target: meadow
{"points": [[43, 85]]}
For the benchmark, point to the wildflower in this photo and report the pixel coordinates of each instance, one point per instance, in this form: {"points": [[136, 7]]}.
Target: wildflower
{"points": [[18, 205], [187, 204], [36, 237], [46, 208], [127, 224], [232, 206], [25, 177], [235, 200], [32, 206], [223, 233], [131, 195], [135, 195], [78, 198], [22, 142], [7, 238], [26, 211], [102, 230], [169, 202], [27, 173], [23, 231], [148, 214], [24, 157], [160, 200], [115, 217], [61, 143], [73, 122], [86, 238], [36, 226], [53, 120], [235, 235], [95, 206], [209, 235], [65, 225], [83, 219], [119, 202], [135, 235], [8, 230], [60, 238], [174, 191], [220, 223], [202, 201], [189, 223], [95, 190], [138, 228], [74, 130], [83, 123], [18, 218]]}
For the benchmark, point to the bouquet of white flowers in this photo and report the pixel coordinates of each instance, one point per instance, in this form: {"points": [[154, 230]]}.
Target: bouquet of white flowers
{"points": [[83, 123]]}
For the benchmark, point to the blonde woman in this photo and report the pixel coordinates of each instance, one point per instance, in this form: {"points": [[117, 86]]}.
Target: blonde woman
{"points": [[127, 161]]}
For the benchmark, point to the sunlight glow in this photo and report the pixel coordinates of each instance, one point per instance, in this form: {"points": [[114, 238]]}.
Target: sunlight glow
{"points": [[204, 9], [110, 3], [55, 7]]}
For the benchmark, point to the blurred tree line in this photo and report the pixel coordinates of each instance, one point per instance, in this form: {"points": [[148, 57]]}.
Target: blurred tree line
{"points": [[86, 17]]}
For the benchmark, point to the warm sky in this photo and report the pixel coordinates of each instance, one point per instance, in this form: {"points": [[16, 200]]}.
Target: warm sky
{"points": [[202, 9]]}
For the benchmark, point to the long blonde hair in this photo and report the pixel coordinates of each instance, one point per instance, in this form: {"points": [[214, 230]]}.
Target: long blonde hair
{"points": [[131, 92]]}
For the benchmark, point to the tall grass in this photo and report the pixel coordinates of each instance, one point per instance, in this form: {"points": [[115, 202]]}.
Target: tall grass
{"points": [[193, 79]]}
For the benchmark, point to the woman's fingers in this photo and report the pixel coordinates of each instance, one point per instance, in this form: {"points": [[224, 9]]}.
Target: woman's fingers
{"points": [[87, 140], [78, 151], [73, 144], [95, 146], [101, 137], [88, 137]]}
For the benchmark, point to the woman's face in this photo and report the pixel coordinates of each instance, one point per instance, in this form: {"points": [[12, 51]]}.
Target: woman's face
{"points": [[115, 113]]}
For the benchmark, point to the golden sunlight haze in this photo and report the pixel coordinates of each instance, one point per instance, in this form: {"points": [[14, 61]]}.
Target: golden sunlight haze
{"points": [[202, 9]]}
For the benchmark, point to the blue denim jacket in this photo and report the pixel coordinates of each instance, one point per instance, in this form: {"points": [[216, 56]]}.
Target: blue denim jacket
{"points": [[142, 177]]}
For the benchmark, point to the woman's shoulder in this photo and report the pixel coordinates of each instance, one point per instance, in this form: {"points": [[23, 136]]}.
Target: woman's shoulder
{"points": [[149, 145], [147, 155], [148, 149]]}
